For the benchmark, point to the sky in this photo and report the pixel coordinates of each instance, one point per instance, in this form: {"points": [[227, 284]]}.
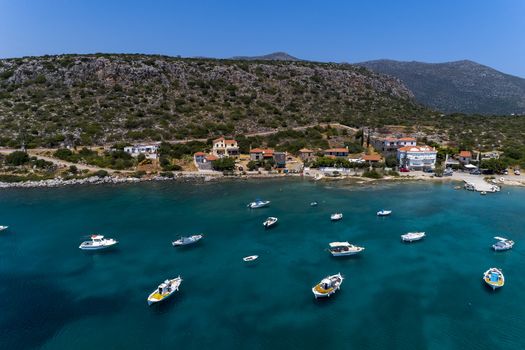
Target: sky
{"points": [[490, 32]]}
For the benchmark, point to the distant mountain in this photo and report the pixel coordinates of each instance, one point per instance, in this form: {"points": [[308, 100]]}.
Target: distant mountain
{"points": [[461, 86], [276, 56]]}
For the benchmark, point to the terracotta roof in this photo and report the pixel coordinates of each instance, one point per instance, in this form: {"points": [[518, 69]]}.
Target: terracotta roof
{"points": [[336, 150], [417, 149], [465, 154], [230, 142], [211, 157], [200, 154], [306, 150], [260, 150], [407, 139], [219, 139], [372, 157]]}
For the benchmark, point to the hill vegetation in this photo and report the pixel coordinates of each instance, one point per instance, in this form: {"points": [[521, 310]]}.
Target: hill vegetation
{"points": [[106, 98]]}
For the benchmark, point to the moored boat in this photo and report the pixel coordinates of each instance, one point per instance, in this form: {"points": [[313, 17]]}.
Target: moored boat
{"points": [[502, 244], [98, 242], [3, 228], [344, 249], [412, 236], [313, 204], [384, 212], [258, 204], [328, 286], [494, 278], [187, 240], [250, 258], [336, 216], [269, 222], [164, 290]]}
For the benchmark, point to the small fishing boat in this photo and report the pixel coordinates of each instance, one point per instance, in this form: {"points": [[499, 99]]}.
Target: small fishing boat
{"points": [[164, 290], [502, 244], [98, 242], [187, 240], [494, 278], [412, 236], [269, 222], [483, 193], [344, 249], [328, 286], [250, 258], [384, 212], [336, 216], [313, 204], [258, 204], [3, 228]]}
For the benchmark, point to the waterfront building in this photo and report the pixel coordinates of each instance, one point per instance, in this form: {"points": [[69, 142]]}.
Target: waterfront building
{"points": [[225, 148], [417, 157]]}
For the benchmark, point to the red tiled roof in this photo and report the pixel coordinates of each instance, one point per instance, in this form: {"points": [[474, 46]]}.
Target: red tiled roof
{"points": [[407, 139], [465, 154], [336, 150], [260, 150], [200, 154], [372, 157], [230, 142], [219, 139], [306, 150], [211, 158]]}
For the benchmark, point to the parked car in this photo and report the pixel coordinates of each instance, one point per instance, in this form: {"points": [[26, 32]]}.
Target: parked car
{"points": [[505, 172], [475, 172], [404, 170], [428, 170], [517, 172]]}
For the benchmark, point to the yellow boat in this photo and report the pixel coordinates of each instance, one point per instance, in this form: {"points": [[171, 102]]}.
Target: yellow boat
{"points": [[494, 278], [328, 286], [164, 290]]}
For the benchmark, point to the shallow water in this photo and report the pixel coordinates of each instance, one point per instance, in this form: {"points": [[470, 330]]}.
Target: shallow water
{"points": [[425, 295]]}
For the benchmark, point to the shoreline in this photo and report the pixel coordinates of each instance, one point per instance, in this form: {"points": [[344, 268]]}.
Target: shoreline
{"points": [[209, 177]]}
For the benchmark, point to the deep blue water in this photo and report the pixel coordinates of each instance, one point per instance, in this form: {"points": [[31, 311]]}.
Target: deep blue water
{"points": [[426, 295]]}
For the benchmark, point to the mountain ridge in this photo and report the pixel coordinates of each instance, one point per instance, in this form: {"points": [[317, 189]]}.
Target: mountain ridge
{"points": [[462, 86]]}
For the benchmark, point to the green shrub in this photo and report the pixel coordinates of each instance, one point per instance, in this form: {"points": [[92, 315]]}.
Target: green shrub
{"points": [[17, 158], [373, 174]]}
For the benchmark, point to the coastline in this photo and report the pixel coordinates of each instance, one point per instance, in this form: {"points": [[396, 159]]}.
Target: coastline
{"points": [[208, 177]]}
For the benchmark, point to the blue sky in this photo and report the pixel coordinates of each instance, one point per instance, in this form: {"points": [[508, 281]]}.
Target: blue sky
{"points": [[491, 32]]}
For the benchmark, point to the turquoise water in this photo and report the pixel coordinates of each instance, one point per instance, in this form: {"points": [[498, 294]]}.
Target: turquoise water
{"points": [[425, 295]]}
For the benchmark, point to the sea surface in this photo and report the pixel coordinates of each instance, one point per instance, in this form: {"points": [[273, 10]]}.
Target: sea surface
{"points": [[425, 295]]}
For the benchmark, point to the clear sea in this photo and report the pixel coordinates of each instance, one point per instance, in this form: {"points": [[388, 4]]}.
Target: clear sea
{"points": [[425, 295]]}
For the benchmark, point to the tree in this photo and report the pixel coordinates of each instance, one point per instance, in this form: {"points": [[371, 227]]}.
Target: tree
{"points": [[73, 169], [494, 165], [391, 161], [222, 164], [17, 158], [253, 165], [141, 157]]}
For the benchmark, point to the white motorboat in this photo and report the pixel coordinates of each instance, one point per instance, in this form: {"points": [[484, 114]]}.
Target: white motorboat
{"points": [[494, 278], [344, 249], [313, 204], [412, 236], [164, 290], [336, 216], [502, 244], [3, 228], [258, 204], [384, 212], [250, 258], [328, 286], [187, 240], [98, 242], [269, 222]]}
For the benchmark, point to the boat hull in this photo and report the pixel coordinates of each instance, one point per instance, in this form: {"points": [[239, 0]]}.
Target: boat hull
{"points": [[100, 247]]}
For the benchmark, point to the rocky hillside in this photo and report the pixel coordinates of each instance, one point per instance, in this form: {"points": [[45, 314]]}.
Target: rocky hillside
{"points": [[88, 99], [462, 86]]}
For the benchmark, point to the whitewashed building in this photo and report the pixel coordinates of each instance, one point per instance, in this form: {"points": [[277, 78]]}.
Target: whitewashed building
{"points": [[389, 145], [225, 148], [417, 157], [150, 151]]}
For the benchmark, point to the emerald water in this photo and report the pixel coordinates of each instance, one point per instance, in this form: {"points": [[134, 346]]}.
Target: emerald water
{"points": [[425, 295]]}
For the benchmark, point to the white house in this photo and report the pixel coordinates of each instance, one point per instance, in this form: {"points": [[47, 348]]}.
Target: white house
{"points": [[225, 148], [389, 145], [150, 151], [417, 157]]}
